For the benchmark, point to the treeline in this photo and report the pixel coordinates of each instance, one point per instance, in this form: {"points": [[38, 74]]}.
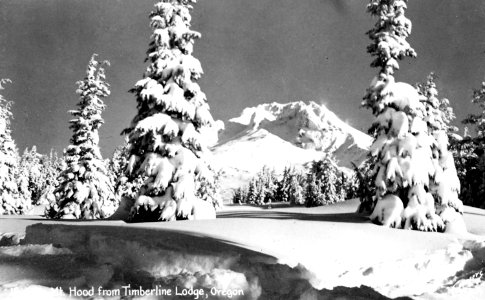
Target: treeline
{"points": [[319, 184]]}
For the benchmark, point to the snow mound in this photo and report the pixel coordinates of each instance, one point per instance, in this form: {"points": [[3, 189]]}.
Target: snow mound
{"points": [[283, 253], [279, 135]]}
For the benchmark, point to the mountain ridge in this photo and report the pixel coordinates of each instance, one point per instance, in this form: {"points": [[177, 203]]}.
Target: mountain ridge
{"points": [[279, 135]]}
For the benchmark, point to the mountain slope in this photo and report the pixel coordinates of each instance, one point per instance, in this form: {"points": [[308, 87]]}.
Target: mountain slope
{"points": [[279, 135]]}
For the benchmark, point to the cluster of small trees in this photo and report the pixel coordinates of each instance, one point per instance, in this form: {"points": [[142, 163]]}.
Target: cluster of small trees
{"points": [[320, 184], [38, 173]]}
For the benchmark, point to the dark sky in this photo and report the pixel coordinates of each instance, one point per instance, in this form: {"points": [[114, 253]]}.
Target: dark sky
{"points": [[252, 51]]}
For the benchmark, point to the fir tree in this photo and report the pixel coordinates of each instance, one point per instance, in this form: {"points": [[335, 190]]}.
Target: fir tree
{"points": [[406, 167], [32, 174], [478, 120], [11, 200], [85, 191], [52, 167], [313, 195], [283, 186], [164, 138], [332, 186], [439, 113], [471, 154]]}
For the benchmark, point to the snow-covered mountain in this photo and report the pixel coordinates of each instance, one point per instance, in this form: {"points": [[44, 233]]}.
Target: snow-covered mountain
{"points": [[279, 135]]}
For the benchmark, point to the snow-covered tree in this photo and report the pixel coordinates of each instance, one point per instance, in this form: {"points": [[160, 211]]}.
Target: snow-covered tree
{"points": [[478, 120], [297, 188], [283, 192], [32, 174], [331, 180], [413, 164], [52, 166], [165, 140], [470, 153], [313, 193], [12, 201], [208, 190], [85, 191], [439, 113]]}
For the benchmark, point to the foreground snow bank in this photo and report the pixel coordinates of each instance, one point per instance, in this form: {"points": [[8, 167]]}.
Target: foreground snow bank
{"points": [[98, 260], [278, 253]]}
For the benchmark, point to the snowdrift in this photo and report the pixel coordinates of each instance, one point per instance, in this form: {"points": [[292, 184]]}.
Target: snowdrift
{"points": [[250, 252]]}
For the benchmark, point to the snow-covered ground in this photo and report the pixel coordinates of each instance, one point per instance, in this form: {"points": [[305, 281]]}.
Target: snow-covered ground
{"points": [[278, 253]]}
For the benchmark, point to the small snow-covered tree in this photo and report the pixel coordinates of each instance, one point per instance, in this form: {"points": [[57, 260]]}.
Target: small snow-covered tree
{"points": [[208, 190], [283, 186], [439, 113], [478, 120], [12, 201], [165, 141], [410, 160], [85, 191], [331, 179], [32, 174], [313, 193], [52, 167]]}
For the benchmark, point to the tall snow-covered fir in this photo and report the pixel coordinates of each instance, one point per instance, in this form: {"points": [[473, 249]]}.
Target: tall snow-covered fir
{"points": [[165, 145], [12, 200], [415, 176], [85, 190]]}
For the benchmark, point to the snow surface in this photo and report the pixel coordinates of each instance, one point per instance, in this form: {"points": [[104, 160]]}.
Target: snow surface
{"points": [[280, 135], [278, 253]]}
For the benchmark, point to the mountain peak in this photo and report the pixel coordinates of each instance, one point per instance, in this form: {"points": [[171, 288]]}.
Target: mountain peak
{"points": [[279, 135], [307, 125]]}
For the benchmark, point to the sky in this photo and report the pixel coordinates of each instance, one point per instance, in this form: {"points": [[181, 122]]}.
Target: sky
{"points": [[252, 52]]}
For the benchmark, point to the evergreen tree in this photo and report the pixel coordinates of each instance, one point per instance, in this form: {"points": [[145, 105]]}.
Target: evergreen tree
{"points": [[283, 186], [164, 138], [366, 190], [471, 154], [407, 166], [332, 185], [297, 188], [313, 195], [32, 175], [85, 191], [439, 113], [478, 120], [208, 190], [52, 167], [444, 183], [251, 195], [12, 201], [116, 170]]}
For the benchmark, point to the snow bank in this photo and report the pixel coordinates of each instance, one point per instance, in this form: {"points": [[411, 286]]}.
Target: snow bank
{"points": [[281, 253]]}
